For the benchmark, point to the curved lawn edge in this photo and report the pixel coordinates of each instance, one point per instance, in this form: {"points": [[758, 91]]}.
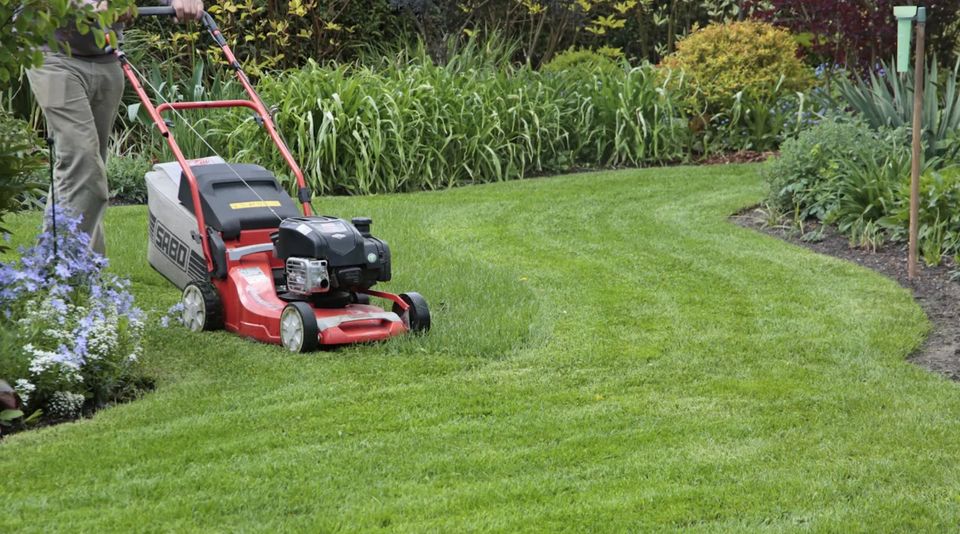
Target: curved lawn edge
{"points": [[934, 289]]}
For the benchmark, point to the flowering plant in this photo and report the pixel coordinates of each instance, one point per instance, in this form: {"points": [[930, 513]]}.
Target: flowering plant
{"points": [[71, 334]]}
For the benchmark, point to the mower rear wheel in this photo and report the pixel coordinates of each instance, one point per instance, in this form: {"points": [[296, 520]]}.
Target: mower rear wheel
{"points": [[202, 309], [298, 327], [417, 316]]}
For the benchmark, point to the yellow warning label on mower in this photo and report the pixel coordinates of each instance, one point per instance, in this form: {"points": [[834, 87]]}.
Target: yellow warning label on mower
{"points": [[255, 204]]}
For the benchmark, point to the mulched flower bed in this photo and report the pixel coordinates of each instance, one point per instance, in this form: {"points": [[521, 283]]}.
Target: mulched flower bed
{"points": [[937, 294], [743, 156]]}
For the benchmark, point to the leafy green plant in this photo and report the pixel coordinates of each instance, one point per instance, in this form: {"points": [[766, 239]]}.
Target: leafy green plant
{"points": [[125, 177], [939, 215], [751, 124], [19, 157], [804, 180], [868, 190], [135, 136], [846, 174], [30, 24]]}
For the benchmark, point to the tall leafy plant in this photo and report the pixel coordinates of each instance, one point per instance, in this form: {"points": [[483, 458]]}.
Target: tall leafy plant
{"points": [[939, 216], [413, 124], [885, 100]]}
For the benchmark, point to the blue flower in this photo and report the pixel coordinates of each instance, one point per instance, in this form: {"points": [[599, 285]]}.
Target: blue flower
{"points": [[62, 270], [59, 305]]}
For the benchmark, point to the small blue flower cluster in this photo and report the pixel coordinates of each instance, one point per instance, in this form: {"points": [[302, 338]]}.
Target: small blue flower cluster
{"points": [[77, 328]]}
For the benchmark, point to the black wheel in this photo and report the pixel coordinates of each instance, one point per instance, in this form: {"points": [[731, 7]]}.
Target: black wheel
{"points": [[417, 316], [202, 309], [298, 327], [360, 298]]}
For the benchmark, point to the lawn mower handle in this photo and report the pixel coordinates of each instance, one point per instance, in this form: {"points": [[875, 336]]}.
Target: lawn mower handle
{"points": [[167, 11], [255, 103], [158, 11]]}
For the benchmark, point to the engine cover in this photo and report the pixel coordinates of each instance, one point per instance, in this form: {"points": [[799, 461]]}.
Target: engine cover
{"points": [[355, 259]]}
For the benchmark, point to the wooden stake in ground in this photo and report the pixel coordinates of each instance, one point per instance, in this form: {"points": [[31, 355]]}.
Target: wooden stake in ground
{"points": [[918, 73]]}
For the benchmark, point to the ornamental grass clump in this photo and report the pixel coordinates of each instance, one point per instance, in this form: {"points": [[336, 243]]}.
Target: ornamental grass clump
{"points": [[71, 335]]}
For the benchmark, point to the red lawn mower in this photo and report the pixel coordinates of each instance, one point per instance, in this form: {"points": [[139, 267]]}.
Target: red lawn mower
{"points": [[245, 257]]}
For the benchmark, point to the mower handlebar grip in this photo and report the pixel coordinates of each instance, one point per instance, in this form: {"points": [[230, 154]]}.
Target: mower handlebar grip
{"points": [[167, 11], [161, 11]]}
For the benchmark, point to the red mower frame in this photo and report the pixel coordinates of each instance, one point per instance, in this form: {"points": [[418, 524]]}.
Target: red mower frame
{"points": [[248, 308]]}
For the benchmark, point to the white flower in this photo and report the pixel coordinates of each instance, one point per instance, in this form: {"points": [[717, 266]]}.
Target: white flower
{"points": [[42, 361], [65, 404], [24, 389]]}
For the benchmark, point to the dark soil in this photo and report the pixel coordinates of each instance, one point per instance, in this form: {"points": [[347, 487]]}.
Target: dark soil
{"points": [[933, 289], [743, 156]]}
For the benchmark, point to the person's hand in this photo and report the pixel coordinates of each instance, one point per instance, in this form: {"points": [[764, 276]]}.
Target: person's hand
{"points": [[187, 9]]}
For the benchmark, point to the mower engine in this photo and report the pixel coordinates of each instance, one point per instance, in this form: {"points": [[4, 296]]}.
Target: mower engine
{"points": [[329, 255]]}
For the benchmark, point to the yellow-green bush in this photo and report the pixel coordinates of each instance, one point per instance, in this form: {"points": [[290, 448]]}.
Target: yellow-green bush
{"points": [[755, 59], [583, 63]]}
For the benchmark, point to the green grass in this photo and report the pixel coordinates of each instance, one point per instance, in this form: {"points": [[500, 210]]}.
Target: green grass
{"points": [[609, 353]]}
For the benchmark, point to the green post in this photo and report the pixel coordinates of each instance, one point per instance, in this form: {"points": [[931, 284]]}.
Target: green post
{"points": [[905, 17]]}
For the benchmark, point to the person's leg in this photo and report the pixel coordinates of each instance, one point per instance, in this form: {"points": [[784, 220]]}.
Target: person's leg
{"points": [[105, 102], [61, 87]]}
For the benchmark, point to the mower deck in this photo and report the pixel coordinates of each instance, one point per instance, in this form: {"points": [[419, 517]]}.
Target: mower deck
{"points": [[257, 308]]}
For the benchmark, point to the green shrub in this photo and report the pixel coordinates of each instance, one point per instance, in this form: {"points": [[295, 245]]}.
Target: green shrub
{"points": [[753, 61], [581, 64], [740, 83], [846, 174], [125, 176], [804, 180]]}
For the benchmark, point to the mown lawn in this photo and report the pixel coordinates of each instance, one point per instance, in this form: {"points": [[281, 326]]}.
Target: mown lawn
{"points": [[609, 353]]}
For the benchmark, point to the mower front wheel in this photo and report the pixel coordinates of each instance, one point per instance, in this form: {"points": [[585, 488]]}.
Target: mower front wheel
{"points": [[298, 327], [417, 316], [202, 309]]}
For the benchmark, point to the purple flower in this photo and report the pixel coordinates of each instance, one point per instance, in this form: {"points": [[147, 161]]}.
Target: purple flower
{"points": [[59, 305], [85, 324], [80, 345], [62, 270]]}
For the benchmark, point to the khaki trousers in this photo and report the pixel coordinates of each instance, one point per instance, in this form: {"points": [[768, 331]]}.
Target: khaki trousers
{"points": [[80, 99]]}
